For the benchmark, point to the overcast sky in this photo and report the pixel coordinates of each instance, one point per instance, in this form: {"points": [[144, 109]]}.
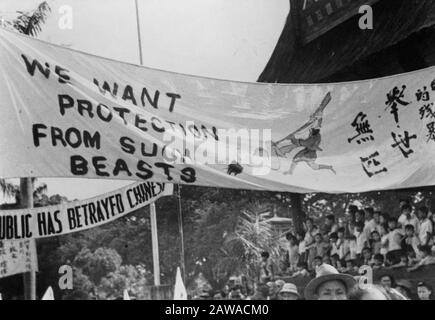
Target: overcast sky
{"points": [[226, 39]]}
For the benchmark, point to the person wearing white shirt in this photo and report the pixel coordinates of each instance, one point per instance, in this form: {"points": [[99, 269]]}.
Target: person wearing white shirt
{"points": [[407, 217], [393, 241], [426, 228], [361, 239]]}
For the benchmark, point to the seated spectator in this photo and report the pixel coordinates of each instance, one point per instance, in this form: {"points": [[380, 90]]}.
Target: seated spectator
{"points": [[410, 242], [301, 270], [425, 228], [375, 242], [424, 291], [408, 218], [387, 281], [366, 257], [317, 262], [426, 258], [378, 261], [393, 241], [350, 267], [289, 292]]}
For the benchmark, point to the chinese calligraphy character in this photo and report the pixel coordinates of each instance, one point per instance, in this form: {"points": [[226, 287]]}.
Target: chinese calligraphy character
{"points": [[431, 131], [423, 95], [403, 143], [394, 98], [426, 111], [362, 127], [369, 162]]}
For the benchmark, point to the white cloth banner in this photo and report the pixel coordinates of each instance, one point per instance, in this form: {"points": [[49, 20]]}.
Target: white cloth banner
{"points": [[49, 294], [17, 256], [79, 215], [180, 292], [65, 113]]}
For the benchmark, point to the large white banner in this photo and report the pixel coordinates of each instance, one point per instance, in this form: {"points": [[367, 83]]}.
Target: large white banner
{"points": [[78, 215], [65, 113]]}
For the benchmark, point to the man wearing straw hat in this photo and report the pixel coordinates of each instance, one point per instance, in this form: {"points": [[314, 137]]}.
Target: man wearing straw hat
{"points": [[329, 284]]}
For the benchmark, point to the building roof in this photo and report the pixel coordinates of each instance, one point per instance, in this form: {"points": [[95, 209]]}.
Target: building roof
{"points": [[346, 44]]}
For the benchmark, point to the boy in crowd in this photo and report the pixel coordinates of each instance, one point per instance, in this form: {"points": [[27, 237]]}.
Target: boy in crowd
{"points": [[370, 223], [366, 257], [410, 242], [408, 218], [424, 291], [361, 239], [318, 249], [342, 245], [317, 262], [350, 267], [393, 241], [425, 228], [378, 261], [301, 270], [375, 242]]}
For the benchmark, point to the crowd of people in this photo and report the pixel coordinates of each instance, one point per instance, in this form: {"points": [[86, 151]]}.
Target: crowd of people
{"points": [[331, 255], [367, 238]]}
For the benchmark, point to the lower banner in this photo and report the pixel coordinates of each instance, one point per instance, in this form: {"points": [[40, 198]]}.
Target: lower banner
{"points": [[79, 215], [17, 256]]}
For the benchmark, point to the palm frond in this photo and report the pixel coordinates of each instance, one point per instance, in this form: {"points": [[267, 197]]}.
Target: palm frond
{"points": [[30, 22], [8, 189]]}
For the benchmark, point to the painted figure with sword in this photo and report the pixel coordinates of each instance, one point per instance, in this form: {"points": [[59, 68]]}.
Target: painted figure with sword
{"points": [[310, 145]]}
